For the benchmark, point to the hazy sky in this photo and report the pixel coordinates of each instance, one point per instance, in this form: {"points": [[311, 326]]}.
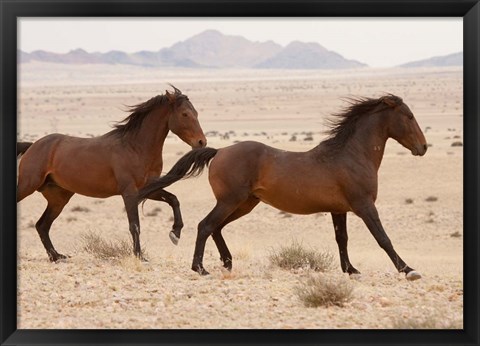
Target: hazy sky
{"points": [[378, 42]]}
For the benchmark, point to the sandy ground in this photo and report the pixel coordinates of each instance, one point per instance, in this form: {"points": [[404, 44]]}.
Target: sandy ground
{"points": [[270, 107]]}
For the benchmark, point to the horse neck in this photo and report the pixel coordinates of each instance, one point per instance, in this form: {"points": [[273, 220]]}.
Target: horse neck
{"points": [[151, 135], [367, 144]]}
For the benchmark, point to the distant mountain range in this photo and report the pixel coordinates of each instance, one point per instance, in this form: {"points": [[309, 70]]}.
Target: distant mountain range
{"points": [[212, 49], [455, 59], [299, 55]]}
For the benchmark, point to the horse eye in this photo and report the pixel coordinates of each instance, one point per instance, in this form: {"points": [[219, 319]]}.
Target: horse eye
{"points": [[185, 114]]}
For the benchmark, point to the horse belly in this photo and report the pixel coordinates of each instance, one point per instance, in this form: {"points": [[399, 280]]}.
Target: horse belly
{"points": [[303, 201], [87, 185], [84, 175]]}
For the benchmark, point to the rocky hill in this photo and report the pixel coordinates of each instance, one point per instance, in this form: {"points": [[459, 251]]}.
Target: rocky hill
{"points": [[455, 59], [299, 55], [210, 49]]}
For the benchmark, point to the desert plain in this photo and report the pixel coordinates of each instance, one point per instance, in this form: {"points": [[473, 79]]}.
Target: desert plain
{"points": [[420, 202]]}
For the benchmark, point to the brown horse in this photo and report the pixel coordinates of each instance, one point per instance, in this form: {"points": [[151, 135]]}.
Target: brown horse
{"points": [[337, 176], [117, 163]]}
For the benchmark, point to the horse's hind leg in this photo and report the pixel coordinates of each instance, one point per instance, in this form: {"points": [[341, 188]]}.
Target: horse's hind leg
{"points": [[244, 209], [370, 216], [341, 236], [32, 170], [171, 199], [57, 199], [210, 224], [28, 183]]}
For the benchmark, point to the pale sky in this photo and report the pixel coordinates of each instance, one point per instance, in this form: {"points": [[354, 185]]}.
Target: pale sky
{"points": [[378, 42]]}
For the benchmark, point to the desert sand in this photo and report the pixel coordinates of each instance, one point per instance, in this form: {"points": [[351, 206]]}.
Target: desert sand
{"points": [[419, 201]]}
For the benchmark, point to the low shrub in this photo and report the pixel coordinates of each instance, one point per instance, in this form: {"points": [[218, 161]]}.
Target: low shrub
{"points": [[295, 256], [107, 250], [323, 290]]}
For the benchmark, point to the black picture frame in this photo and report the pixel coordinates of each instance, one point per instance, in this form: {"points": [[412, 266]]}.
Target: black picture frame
{"points": [[11, 10]]}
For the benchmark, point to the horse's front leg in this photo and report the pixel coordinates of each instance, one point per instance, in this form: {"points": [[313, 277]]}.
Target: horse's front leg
{"points": [[171, 199], [131, 207], [368, 213]]}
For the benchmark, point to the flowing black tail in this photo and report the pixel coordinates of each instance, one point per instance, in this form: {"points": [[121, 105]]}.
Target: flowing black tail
{"points": [[190, 165], [22, 147]]}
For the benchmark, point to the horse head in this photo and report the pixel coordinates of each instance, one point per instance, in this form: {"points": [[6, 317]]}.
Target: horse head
{"points": [[403, 127], [183, 119]]}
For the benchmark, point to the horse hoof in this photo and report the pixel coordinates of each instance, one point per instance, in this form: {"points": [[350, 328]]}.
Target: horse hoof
{"points": [[413, 275], [173, 238], [203, 272], [200, 270], [61, 260], [355, 276], [56, 258], [227, 264]]}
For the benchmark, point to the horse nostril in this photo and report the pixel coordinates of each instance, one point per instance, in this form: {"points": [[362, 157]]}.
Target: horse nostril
{"points": [[200, 142], [425, 147]]}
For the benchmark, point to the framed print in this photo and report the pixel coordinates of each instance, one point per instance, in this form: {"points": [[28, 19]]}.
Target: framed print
{"points": [[334, 143]]}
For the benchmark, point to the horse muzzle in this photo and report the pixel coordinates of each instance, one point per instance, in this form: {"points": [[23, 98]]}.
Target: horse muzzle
{"points": [[419, 150], [200, 143]]}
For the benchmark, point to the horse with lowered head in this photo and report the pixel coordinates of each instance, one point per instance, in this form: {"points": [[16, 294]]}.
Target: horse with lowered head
{"points": [[119, 162], [337, 176]]}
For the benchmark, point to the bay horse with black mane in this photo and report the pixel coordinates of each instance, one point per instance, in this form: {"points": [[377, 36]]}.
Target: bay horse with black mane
{"points": [[119, 162], [338, 176]]}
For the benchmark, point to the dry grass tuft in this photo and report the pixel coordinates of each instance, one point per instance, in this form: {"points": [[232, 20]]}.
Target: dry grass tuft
{"points": [[322, 290], [429, 321], [107, 250], [456, 234], [285, 214], [243, 253], [133, 264], [154, 212], [295, 256], [80, 209]]}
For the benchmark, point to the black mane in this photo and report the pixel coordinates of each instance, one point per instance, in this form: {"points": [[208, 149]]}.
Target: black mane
{"points": [[342, 125], [140, 111]]}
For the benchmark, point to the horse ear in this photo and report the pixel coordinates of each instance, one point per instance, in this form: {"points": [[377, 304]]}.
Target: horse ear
{"points": [[177, 91], [390, 102], [170, 97]]}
